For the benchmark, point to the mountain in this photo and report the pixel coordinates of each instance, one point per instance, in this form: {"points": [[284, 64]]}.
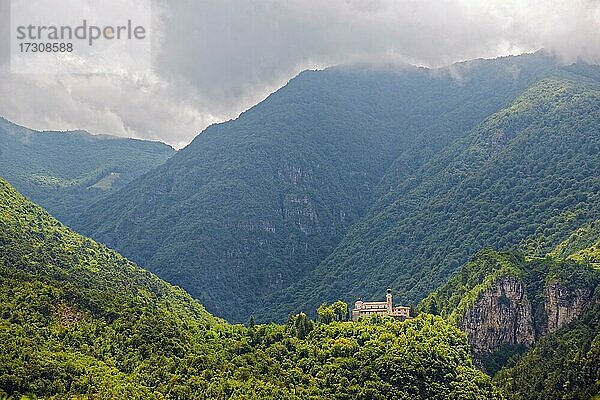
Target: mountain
{"points": [[536, 320], [68, 171], [522, 178], [77, 320], [254, 205]]}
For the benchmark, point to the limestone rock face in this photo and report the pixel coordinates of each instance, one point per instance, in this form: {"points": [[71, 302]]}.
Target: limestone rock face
{"points": [[563, 305], [501, 315]]}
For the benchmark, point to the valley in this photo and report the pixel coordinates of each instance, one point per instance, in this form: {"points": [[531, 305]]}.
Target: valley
{"points": [[274, 195], [225, 269]]}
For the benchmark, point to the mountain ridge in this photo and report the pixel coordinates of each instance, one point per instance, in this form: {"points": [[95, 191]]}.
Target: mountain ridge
{"points": [[67, 171], [266, 197]]}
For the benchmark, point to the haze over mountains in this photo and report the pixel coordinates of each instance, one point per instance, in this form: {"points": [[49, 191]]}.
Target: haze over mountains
{"points": [[68, 171]]}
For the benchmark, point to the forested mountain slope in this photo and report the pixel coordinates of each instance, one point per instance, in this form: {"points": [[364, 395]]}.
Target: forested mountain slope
{"points": [[582, 245], [77, 320], [522, 178], [68, 171], [76, 316], [255, 204]]}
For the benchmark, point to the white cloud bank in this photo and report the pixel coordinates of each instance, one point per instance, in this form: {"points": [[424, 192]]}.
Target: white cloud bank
{"points": [[214, 58]]}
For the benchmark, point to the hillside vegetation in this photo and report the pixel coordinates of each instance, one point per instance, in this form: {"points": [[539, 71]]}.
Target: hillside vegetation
{"points": [[77, 320], [523, 178], [68, 171], [583, 245], [255, 204], [563, 364]]}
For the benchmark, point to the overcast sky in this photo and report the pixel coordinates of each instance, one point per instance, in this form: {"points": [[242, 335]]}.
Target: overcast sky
{"points": [[213, 59]]}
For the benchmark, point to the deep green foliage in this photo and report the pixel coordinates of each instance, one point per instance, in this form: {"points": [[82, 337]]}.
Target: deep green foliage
{"points": [[501, 357], [66, 172], [255, 204], [380, 359], [299, 326], [583, 245], [337, 311], [77, 319], [523, 178]]}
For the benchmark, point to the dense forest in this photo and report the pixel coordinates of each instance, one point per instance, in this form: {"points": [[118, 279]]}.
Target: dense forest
{"points": [[66, 172], [77, 319], [268, 196]]}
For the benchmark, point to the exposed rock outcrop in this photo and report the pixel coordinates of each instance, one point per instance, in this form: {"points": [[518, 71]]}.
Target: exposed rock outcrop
{"points": [[501, 315], [563, 304]]}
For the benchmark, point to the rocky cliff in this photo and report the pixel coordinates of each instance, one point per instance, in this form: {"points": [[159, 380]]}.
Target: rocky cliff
{"points": [[563, 304], [503, 314], [507, 302]]}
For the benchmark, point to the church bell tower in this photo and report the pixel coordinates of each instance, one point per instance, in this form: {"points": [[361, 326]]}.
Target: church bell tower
{"points": [[388, 299]]}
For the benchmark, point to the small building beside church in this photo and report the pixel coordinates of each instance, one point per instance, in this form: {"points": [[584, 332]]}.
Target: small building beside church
{"points": [[383, 308]]}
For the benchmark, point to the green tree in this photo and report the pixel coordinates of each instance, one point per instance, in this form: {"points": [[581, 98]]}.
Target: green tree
{"points": [[326, 314], [340, 310]]}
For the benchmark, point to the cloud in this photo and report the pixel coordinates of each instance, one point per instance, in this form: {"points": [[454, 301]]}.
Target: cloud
{"points": [[214, 58], [118, 105]]}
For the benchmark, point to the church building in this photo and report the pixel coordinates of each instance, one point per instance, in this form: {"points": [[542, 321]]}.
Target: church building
{"points": [[383, 308]]}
